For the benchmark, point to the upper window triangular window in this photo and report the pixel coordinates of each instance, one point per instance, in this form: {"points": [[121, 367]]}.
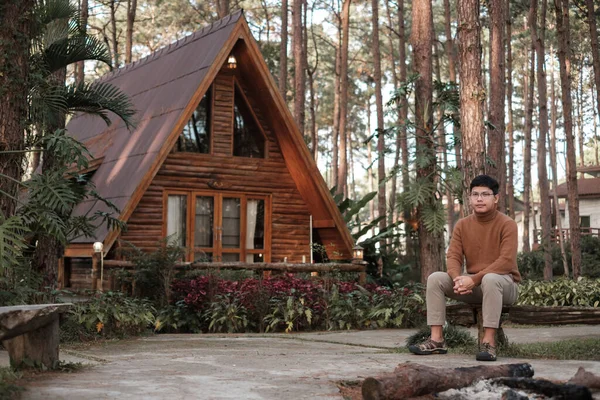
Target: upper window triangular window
{"points": [[195, 137], [248, 138]]}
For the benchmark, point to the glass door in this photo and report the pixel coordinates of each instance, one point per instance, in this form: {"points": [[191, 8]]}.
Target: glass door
{"points": [[219, 227]]}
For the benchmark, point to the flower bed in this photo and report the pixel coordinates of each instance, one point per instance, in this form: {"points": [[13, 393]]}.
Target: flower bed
{"points": [[288, 303]]}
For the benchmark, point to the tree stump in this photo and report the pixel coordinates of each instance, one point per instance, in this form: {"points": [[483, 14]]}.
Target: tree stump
{"points": [[30, 333]]}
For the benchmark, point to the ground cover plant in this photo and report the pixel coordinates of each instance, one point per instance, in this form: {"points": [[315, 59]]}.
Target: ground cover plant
{"points": [[560, 292], [9, 389], [107, 315]]}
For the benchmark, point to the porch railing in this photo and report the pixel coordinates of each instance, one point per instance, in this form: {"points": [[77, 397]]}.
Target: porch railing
{"points": [[104, 267], [554, 234]]}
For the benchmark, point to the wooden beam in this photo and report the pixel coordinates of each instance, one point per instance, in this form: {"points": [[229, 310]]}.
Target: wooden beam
{"points": [[285, 267], [324, 223]]}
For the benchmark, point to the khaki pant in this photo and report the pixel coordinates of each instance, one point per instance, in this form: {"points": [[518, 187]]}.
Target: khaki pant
{"points": [[494, 292]]}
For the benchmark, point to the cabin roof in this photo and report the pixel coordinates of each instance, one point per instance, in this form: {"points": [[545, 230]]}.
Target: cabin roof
{"points": [[162, 86], [587, 188]]}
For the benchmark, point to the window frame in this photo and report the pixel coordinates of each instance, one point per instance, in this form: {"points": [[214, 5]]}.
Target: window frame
{"points": [[218, 250], [237, 87], [211, 130]]}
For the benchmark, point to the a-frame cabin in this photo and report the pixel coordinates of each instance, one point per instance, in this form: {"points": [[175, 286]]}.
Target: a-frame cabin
{"points": [[215, 160]]}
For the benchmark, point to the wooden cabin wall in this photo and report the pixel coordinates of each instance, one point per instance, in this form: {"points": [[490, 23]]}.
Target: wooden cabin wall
{"points": [[290, 231]]}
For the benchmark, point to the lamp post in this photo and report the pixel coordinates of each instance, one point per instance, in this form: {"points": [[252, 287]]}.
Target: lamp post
{"points": [[357, 254], [98, 247], [357, 258]]}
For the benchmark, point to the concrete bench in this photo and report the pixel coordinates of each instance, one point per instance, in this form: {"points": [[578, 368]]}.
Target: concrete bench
{"points": [[30, 333], [466, 314]]}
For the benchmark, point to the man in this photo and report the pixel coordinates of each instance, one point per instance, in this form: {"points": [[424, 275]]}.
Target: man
{"points": [[487, 239]]}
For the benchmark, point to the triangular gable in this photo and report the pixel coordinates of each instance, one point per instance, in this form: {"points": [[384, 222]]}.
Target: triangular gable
{"points": [[166, 87]]}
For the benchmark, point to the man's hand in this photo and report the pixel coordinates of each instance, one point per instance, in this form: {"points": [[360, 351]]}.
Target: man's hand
{"points": [[463, 285]]}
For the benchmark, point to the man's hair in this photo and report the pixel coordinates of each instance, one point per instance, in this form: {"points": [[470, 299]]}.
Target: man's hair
{"points": [[486, 181]]}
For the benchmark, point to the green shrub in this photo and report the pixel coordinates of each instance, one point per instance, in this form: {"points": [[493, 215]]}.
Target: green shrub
{"points": [[8, 388], [290, 315], [455, 336], [179, 317], [590, 256], [531, 264], [347, 311], [107, 315], [227, 314], [561, 292], [154, 272]]}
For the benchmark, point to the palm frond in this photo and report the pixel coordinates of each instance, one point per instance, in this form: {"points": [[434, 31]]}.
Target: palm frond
{"points": [[66, 149], [51, 10], [98, 99], [12, 241], [45, 222], [45, 102], [72, 49], [53, 192]]}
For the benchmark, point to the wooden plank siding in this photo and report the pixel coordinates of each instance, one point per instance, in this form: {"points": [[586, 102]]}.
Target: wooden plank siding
{"points": [[290, 218]]}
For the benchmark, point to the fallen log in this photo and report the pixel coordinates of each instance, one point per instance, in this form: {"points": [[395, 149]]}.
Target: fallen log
{"points": [[584, 378], [557, 391], [411, 380]]}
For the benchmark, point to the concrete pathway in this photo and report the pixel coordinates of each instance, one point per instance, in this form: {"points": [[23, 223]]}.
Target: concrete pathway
{"points": [[295, 366]]}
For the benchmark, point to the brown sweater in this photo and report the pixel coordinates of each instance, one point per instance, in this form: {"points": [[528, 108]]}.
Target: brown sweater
{"points": [[489, 244]]}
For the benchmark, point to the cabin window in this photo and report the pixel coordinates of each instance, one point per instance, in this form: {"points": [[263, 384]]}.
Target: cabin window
{"points": [[585, 223], [248, 139], [223, 227], [195, 137], [176, 219]]}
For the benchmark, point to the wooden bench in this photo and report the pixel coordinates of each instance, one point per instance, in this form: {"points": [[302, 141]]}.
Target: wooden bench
{"points": [[466, 314], [30, 333]]}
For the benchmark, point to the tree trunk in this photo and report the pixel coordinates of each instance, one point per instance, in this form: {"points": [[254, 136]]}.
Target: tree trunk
{"points": [[510, 186], [472, 93], [15, 30], [430, 242], [313, 115], [396, 166], [527, 146], [49, 250], [311, 72], [411, 380], [564, 58], [370, 174], [283, 50], [580, 136], [352, 190], [222, 8], [299, 69], [496, 135], [381, 195], [402, 139], [442, 145], [545, 207], [342, 179], [131, 10], [114, 35], [595, 118], [554, 166], [335, 155], [451, 53], [83, 15]]}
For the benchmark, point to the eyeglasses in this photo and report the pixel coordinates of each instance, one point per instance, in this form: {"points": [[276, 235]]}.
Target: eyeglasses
{"points": [[484, 195]]}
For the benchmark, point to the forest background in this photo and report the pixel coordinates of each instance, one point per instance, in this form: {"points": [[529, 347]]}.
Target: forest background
{"points": [[411, 100]]}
